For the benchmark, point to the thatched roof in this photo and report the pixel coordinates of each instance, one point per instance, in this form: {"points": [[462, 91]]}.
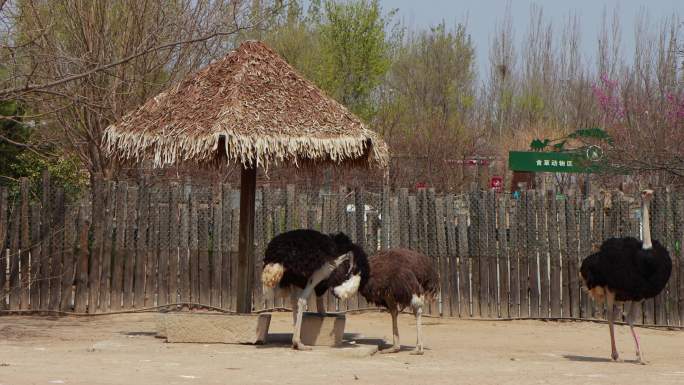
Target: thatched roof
{"points": [[250, 106]]}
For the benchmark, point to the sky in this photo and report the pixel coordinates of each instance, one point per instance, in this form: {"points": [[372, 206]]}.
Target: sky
{"points": [[481, 17]]}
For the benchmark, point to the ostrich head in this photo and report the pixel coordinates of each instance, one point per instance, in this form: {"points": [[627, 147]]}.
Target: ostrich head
{"points": [[357, 275], [647, 195]]}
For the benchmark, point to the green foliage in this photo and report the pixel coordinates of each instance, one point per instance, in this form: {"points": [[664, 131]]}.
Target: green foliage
{"points": [[12, 129], [65, 172], [18, 162], [354, 53], [344, 47]]}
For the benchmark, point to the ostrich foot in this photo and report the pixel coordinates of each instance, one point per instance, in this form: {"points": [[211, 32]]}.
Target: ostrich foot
{"points": [[300, 346], [640, 359], [615, 356], [392, 349], [417, 352]]}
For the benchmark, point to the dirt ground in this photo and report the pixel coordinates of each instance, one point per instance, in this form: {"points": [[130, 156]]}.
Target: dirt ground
{"points": [[122, 349]]}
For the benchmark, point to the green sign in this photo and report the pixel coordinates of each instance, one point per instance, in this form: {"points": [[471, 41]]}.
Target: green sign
{"points": [[534, 161]]}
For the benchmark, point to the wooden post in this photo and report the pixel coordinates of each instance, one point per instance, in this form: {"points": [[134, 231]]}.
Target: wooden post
{"points": [[97, 219], [36, 247], [25, 243], [81, 270], [3, 252], [246, 240], [46, 239], [106, 275]]}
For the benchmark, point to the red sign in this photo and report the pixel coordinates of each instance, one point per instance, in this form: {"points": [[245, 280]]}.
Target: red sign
{"points": [[496, 183], [421, 185]]}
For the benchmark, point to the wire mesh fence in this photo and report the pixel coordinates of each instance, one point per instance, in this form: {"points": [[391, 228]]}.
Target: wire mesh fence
{"points": [[129, 246]]}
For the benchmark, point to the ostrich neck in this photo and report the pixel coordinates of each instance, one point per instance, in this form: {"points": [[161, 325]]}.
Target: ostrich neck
{"points": [[646, 230]]}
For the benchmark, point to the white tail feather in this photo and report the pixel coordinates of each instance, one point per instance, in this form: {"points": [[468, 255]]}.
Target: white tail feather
{"points": [[348, 287], [272, 274]]}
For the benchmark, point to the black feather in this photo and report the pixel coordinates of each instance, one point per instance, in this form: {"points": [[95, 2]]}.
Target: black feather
{"points": [[624, 267], [302, 252]]}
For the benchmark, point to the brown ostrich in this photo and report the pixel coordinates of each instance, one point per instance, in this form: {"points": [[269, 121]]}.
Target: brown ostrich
{"points": [[400, 278]]}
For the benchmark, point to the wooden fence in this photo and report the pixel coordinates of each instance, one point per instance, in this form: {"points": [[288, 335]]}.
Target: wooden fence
{"points": [[135, 246]]}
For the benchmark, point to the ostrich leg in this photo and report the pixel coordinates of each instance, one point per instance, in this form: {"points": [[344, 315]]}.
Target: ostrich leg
{"points": [[418, 311], [396, 346], [630, 320], [293, 301], [610, 308], [319, 275]]}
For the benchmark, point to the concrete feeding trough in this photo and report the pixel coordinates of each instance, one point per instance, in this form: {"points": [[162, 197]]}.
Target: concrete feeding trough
{"points": [[214, 328], [322, 329]]}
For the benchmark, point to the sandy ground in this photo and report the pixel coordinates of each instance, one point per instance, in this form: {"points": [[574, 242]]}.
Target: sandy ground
{"points": [[122, 349]]}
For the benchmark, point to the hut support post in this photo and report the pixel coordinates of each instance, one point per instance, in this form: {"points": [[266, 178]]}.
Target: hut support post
{"points": [[246, 240]]}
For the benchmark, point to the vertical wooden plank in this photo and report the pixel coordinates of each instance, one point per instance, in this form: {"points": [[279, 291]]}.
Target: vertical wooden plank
{"points": [[25, 243], [404, 222], [442, 256], [386, 218], [234, 228], [226, 219], [129, 260], [266, 233], [81, 294], [152, 254], [174, 242], [555, 256], [360, 222], [452, 255], [68, 259], [97, 223], [183, 246], [36, 246], [399, 222], [141, 245], [119, 251], [532, 253], [108, 240], [680, 256], [542, 228], [585, 250], [290, 208], [672, 311], [421, 223], [660, 211], [193, 263], [573, 257], [492, 252], [4, 253], [431, 238], [203, 247], [46, 239], [563, 241], [14, 289], [475, 252], [514, 258], [464, 268], [216, 256], [503, 257], [413, 222], [524, 279], [56, 245]]}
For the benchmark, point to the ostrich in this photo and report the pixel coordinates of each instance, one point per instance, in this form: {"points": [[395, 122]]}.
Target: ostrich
{"points": [[400, 278], [627, 270], [310, 260]]}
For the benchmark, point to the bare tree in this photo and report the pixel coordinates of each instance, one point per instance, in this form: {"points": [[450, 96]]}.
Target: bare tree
{"points": [[83, 64]]}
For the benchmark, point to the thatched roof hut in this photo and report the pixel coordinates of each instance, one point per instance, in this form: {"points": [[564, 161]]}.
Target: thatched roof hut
{"points": [[250, 107]]}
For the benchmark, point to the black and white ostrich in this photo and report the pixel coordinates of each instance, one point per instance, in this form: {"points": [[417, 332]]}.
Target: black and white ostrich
{"points": [[627, 270], [400, 278], [310, 260]]}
